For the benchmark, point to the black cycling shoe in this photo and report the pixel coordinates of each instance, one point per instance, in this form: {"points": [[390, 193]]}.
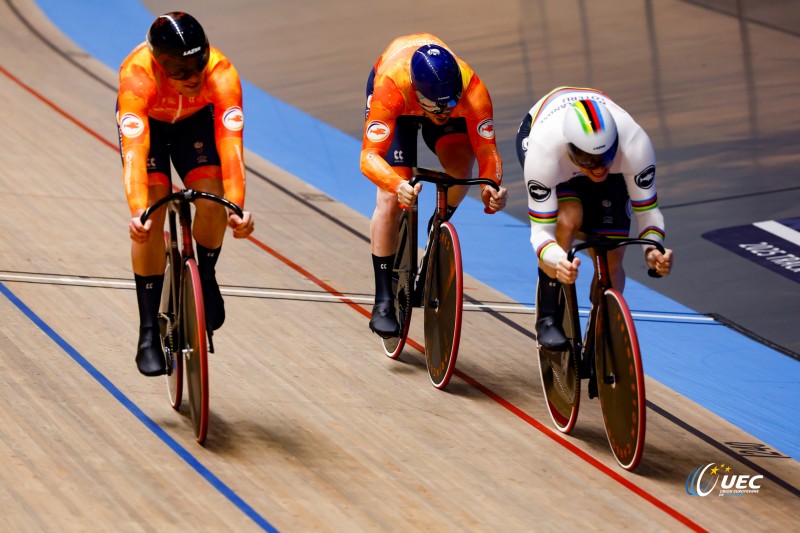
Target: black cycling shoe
{"points": [[215, 305], [150, 355], [384, 321], [550, 334]]}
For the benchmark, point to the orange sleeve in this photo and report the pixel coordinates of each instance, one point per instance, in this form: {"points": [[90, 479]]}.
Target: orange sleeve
{"points": [[386, 105], [480, 126], [226, 95], [136, 89]]}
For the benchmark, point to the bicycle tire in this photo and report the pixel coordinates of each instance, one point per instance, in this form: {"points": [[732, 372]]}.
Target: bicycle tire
{"points": [[444, 295], [401, 286], [195, 348], [170, 331], [621, 388], [558, 371]]}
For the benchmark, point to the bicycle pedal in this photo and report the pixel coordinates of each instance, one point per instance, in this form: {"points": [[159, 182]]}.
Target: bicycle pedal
{"points": [[210, 342], [610, 380]]}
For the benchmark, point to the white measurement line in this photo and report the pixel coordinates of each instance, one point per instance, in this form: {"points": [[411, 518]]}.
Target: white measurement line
{"points": [[319, 297], [776, 228]]}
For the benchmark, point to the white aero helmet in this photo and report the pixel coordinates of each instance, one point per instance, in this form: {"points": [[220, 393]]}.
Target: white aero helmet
{"points": [[591, 134]]}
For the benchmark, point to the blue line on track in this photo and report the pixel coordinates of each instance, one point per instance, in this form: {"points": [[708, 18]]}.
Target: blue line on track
{"points": [[138, 413]]}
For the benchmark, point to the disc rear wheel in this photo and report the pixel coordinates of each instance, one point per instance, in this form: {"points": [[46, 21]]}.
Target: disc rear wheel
{"points": [[561, 383], [401, 288]]}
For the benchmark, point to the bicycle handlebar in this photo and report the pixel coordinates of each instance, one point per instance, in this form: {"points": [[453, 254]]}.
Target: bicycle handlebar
{"points": [[190, 195], [607, 244], [441, 178]]}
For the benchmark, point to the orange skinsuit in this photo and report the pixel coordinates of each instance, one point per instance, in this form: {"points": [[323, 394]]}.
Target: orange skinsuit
{"points": [[394, 95], [145, 91]]}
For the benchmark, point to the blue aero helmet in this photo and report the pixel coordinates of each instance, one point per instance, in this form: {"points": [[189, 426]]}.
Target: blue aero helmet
{"points": [[437, 78]]}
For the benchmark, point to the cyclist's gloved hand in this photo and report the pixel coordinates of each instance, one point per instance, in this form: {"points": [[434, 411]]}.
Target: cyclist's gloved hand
{"points": [[242, 226], [661, 263], [567, 272], [494, 200], [406, 194], [140, 233]]}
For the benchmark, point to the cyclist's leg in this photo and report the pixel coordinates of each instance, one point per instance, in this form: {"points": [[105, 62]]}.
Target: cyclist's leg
{"points": [[196, 159], [148, 261], [384, 226], [549, 322]]}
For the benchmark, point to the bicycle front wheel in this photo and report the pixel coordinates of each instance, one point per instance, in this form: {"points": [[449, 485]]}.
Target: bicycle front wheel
{"points": [[444, 294], [169, 330], [195, 349], [558, 371], [620, 381], [401, 286]]}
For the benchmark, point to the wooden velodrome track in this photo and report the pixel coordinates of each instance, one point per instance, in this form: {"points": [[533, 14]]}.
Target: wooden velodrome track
{"points": [[312, 428]]}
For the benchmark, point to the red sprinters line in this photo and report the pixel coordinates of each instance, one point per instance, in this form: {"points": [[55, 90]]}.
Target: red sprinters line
{"points": [[519, 413]]}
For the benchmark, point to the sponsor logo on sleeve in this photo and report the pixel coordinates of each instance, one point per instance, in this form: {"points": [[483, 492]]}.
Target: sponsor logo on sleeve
{"points": [[538, 192], [131, 125], [646, 177], [377, 131], [486, 129], [233, 118]]}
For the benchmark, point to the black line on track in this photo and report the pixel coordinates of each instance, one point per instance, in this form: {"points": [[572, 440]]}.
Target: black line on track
{"points": [[683, 425]]}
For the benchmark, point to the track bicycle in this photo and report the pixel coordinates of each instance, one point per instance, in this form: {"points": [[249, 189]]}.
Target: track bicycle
{"points": [[607, 355], [434, 283], [181, 314]]}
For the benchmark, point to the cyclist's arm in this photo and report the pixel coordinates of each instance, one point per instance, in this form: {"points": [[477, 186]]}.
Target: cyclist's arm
{"points": [[480, 126], [639, 170], [133, 96], [226, 91], [386, 105], [541, 177]]}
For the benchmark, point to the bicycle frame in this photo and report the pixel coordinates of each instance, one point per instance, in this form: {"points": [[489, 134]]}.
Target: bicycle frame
{"points": [[600, 283]]}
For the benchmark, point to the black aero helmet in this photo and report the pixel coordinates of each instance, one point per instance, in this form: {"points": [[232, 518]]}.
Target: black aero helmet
{"points": [[179, 44]]}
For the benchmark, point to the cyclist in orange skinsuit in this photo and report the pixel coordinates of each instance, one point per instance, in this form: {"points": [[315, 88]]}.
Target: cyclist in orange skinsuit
{"points": [[419, 83], [179, 100]]}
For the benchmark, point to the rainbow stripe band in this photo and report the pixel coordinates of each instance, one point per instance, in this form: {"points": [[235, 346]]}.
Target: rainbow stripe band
{"points": [[544, 247], [652, 232], [645, 205], [548, 217]]}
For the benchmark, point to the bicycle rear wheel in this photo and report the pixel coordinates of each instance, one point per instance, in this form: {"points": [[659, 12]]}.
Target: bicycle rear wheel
{"points": [[194, 348], [444, 294], [401, 286], [558, 371], [170, 333], [620, 381]]}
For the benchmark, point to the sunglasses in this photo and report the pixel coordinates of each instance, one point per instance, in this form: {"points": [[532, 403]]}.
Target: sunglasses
{"points": [[183, 69], [436, 108]]}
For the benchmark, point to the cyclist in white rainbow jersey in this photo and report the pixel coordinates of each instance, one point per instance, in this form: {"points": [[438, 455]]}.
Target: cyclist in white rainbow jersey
{"points": [[588, 167]]}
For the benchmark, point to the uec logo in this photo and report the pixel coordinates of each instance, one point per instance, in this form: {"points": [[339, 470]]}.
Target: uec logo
{"points": [[700, 484]]}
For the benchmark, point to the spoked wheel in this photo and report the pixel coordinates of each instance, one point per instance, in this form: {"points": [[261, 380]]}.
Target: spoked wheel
{"points": [[170, 334], [401, 287], [559, 370], [194, 348], [620, 381], [444, 290]]}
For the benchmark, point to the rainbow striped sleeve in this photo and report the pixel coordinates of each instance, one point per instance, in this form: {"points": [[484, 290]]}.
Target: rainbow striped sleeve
{"points": [[640, 206]]}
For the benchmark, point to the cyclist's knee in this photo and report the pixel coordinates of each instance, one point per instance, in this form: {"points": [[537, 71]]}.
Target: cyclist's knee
{"points": [[570, 219]]}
